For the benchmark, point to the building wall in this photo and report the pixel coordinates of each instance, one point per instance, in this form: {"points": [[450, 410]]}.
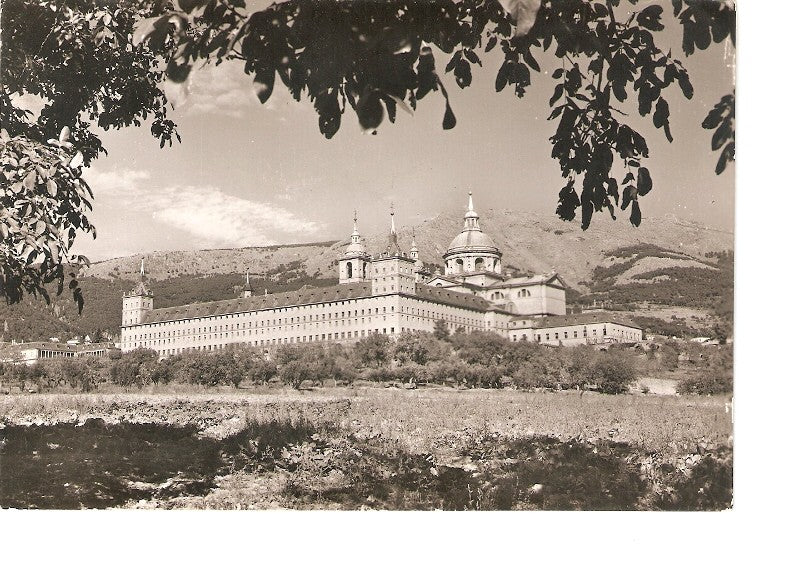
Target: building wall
{"points": [[572, 335], [339, 321], [393, 275], [539, 299]]}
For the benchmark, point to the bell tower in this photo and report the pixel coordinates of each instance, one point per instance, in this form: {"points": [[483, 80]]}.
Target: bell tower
{"points": [[354, 264]]}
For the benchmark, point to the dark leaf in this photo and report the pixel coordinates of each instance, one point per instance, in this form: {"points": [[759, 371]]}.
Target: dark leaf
{"points": [[178, 72], [726, 156], [557, 93], [684, 83], [463, 73], [370, 111], [189, 5], [635, 214], [644, 181], [586, 214], [449, 118], [568, 202], [649, 18], [264, 84], [502, 77], [721, 135]]}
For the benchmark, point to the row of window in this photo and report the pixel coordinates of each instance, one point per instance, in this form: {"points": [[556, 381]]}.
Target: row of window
{"points": [[558, 335]]}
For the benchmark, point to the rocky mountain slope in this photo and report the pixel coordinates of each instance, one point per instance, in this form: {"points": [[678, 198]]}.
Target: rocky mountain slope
{"points": [[530, 242], [665, 265]]}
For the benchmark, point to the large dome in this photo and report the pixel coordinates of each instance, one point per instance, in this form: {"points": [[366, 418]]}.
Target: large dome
{"points": [[472, 240]]}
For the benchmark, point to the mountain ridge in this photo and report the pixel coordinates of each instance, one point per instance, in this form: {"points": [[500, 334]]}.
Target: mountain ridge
{"points": [[530, 242]]}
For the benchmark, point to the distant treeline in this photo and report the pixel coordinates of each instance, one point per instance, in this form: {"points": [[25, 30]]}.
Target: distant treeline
{"points": [[473, 360]]}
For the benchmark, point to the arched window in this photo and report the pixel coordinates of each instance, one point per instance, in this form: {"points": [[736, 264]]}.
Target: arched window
{"points": [[438, 284], [349, 270], [459, 264], [479, 265]]}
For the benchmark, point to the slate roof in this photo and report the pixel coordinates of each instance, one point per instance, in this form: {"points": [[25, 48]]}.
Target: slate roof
{"points": [[578, 319], [302, 296], [454, 298], [308, 296], [529, 280]]}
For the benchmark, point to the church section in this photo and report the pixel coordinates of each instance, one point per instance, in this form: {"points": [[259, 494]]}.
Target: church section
{"points": [[540, 296]]}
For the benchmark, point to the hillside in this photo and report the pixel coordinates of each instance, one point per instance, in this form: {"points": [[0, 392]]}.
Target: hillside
{"points": [[665, 271], [530, 242]]}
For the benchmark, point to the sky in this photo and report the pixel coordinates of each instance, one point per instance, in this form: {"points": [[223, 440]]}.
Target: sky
{"points": [[248, 174]]}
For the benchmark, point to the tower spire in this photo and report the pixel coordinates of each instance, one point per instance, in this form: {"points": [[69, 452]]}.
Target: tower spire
{"points": [[471, 218], [393, 249], [391, 213], [247, 287], [142, 267]]}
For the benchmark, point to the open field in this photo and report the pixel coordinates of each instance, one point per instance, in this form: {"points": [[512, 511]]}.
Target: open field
{"points": [[352, 448]]}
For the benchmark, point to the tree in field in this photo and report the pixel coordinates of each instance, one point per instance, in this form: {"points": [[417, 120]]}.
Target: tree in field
{"points": [[103, 64], [480, 347], [373, 351], [419, 348], [441, 330], [613, 372]]}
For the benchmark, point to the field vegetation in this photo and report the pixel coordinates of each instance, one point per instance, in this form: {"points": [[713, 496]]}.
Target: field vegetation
{"points": [[363, 447], [468, 421]]}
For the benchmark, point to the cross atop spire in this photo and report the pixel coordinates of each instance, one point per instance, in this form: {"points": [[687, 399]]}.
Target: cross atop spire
{"points": [[355, 234], [142, 267], [471, 218]]}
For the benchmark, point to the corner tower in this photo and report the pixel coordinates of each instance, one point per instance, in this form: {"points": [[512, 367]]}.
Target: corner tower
{"points": [[137, 302], [393, 271], [355, 262]]}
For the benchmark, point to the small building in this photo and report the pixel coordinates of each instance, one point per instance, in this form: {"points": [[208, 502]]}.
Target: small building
{"points": [[30, 353], [602, 327]]}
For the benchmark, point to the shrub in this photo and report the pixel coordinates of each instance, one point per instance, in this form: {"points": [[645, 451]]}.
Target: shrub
{"points": [[530, 376], [126, 370], [480, 347], [373, 351], [613, 373], [707, 382], [296, 372], [262, 371]]}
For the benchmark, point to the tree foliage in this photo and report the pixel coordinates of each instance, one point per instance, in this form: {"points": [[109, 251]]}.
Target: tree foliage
{"points": [[103, 63]]}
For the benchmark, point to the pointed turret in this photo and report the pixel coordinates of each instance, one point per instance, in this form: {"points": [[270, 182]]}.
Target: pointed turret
{"points": [[392, 247], [247, 287], [142, 286]]}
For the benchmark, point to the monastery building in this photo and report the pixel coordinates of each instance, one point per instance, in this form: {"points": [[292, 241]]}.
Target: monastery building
{"points": [[390, 293]]}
